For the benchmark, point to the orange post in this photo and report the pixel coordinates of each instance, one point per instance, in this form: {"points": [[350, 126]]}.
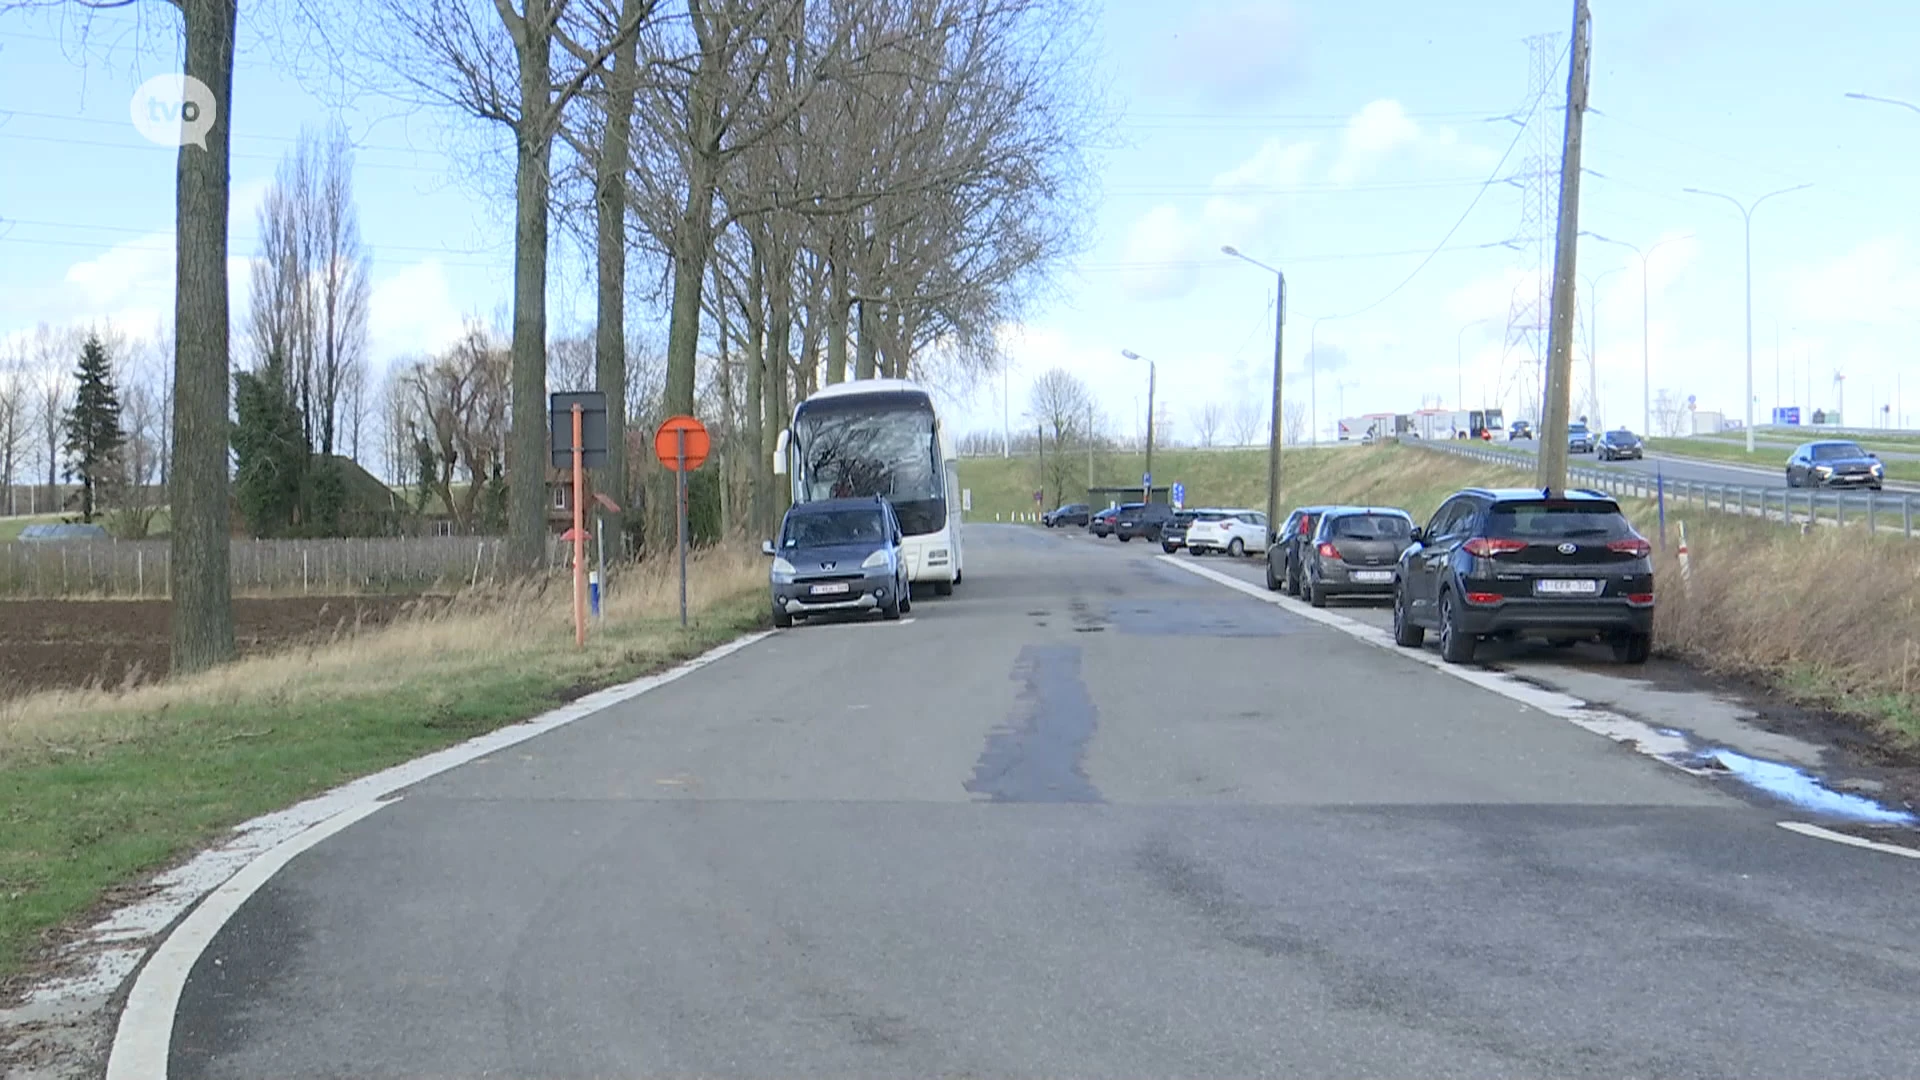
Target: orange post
{"points": [[579, 537]]}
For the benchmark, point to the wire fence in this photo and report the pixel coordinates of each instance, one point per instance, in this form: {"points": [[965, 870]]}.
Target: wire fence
{"points": [[138, 568]]}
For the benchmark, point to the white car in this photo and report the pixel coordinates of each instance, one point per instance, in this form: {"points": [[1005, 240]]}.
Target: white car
{"points": [[1235, 532]]}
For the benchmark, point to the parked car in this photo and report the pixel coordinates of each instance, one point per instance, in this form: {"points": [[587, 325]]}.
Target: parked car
{"points": [[1526, 562], [1143, 520], [1233, 531], [1354, 552], [838, 555], [1835, 463], [1101, 523], [1579, 439], [1520, 430], [1284, 552], [1173, 535], [1070, 514], [1618, 445]]}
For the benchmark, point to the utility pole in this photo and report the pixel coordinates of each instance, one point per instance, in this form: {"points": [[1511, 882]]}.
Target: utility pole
{"points": [[1147, 481], [1278, 421], [1089, 446], [1040, 445], [1553, 430]]}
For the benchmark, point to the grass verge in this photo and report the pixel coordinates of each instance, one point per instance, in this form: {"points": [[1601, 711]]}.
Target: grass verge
{"points": [[98, 789], [1763, 457]]}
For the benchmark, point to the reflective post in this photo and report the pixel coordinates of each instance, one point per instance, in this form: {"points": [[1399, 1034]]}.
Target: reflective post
{"points": [[680, 480], [579, 535]]}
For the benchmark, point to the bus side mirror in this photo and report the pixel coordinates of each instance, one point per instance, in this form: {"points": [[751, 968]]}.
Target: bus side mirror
{"points": [[780, 452]]}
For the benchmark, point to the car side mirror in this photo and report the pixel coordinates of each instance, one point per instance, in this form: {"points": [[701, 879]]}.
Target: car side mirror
{"points": [[1417, 535], [766, 547]]}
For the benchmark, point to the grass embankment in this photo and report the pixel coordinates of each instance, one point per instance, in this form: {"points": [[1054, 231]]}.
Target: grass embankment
{"points": [[1770, 458], [97, 789], [1830, 619]]}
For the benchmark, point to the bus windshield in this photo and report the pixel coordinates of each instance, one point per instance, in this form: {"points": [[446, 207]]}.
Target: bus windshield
{"points": [[858, 451]]}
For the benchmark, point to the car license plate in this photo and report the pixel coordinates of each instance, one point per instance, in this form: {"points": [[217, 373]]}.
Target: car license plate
{"points": [[1565, 587], [1372, 577], [829, 589]]}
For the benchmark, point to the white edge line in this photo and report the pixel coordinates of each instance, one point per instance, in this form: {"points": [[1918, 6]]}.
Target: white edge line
{"points": [[1636, 734], [142, 1041], [1818, 833]]}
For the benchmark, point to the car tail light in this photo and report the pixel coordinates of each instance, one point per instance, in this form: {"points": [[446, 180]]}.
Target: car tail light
{"points": [[1483, 598], [1328, 551], [1634, 546], [1487, 548], [1640, 599]]}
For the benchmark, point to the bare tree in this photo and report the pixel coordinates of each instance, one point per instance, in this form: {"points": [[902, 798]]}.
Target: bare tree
{"points": [[1293, 428], [1669, 413], [15, 418], [571, 363], [400, 422], [462, 401], [142, 377], [1062, 406], [1207, 421], [1249, 420], [52, 394]]}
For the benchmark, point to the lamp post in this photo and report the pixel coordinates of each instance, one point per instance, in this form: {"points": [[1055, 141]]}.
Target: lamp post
{"points": [[1593, 339], [1646, 367], [1460, 364], [1274, 434], [1746, 213], [1884, 101], [1146, 482]]}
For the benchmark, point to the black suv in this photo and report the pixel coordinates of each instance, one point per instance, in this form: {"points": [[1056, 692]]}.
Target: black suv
{"points": [[1070, 514], [1288, 545], [1144, 520], [1173, 535], [1526, 562]]}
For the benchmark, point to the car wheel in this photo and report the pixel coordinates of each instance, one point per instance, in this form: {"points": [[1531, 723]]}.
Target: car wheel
{"points": [[1406, 633], [1791, 482], [1456, 645], [1168, 548], [1316, 594], [1633, 648], [1124, 537], [906, 597], [781, 619], [1273, 583], [1293, 580], [943, 588], [1237, 549]]}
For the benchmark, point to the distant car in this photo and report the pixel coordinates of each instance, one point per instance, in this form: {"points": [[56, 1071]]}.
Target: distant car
{"points": [[1173, 535], [1070, 514], [1285, 550], [1142, 520], [1355, 551], [1579, 439], [1101, 524], [1835, 463], [1235, 532], [838, 555], [1507, 563], [1520, 430], [1619, 445]]}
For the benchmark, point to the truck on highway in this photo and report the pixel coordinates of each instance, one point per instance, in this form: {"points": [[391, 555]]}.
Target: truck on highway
{"points": [[882, 437]]}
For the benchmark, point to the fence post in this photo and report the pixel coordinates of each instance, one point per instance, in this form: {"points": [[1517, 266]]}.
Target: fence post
{"points": [[1839, 510], [1872, 518]]}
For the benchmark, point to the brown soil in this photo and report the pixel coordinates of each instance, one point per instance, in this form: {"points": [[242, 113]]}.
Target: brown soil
{"points": [[47, 644]]}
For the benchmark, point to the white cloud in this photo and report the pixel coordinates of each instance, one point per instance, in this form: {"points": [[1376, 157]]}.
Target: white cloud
{"points": [[1877, 283], [412, 311], [1382, 133], [1230, 52], [1164, 242]]}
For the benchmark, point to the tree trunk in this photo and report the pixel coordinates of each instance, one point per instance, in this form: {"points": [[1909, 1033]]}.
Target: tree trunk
{"points": [[726, 410], [198, 574], [528, 440], [779, 280], [610, 204], [763, 423], [837, 314], [865, 351]]}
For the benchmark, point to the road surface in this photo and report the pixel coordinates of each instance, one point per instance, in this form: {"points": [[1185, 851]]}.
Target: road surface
{"points": [[1093, 816], [1768, 471]]}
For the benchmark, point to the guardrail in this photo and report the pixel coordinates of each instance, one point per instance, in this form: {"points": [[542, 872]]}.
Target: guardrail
{"points": [[1881, 511]]}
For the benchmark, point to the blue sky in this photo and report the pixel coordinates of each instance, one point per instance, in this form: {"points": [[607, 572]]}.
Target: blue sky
{"points": [[1339, 141]]}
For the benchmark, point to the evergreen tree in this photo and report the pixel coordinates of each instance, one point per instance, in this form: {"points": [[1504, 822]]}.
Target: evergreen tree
{"points": [[270, 450], [94, 436]]}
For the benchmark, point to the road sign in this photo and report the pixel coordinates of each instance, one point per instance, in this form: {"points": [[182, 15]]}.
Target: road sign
{"points": [[1179, 495], [593, 428], [1690, 401], [667, 446], [1145, 479]]}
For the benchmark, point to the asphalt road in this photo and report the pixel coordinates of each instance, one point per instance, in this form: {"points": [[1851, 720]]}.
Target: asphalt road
{"points": [[1093, 816], [1768, 471]]}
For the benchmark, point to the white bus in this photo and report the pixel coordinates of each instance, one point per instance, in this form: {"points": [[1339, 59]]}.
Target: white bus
{"points": [[882, 437]]}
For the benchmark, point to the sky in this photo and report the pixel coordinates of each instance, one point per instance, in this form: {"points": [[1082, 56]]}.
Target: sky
{"points": [[1368, 151]]}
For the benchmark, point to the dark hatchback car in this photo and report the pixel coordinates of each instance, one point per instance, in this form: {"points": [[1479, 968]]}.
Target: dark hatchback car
{"points": [[1525, 562], [1355, 552], [1835, 463], [1101, 523], [1142, 520], [1619, 445], [1173, 535], [1284, 553], [1520, 430], [838, 555], [1070, 514]]}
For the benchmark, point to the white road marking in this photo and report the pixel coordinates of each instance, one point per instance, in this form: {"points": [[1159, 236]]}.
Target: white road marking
{"points": [[1818, 833], [142, 1040], [1635, 734]]}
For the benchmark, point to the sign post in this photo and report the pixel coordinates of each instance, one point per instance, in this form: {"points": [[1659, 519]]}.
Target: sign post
{"points": [[681, 444], [583, 415], [600, 540]]}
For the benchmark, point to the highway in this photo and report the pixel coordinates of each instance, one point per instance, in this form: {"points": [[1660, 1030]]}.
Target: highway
{"points": [[1096, 815], [1769, 470]]}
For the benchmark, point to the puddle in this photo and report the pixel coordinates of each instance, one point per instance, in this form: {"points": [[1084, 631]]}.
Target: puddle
{"points": [[1788, 784]]}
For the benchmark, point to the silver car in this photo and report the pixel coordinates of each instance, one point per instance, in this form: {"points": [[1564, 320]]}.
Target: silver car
{"points": [[838, 555]]}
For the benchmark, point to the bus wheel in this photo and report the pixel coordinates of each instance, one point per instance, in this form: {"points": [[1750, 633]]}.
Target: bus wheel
{"points": [[959, 576], [943, 588]]}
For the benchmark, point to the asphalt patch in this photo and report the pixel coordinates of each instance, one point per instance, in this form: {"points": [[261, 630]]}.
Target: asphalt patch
{"points": [[1040, 756]]}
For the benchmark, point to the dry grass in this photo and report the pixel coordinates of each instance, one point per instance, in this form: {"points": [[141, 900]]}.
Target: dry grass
{"points": [[485, 629]]}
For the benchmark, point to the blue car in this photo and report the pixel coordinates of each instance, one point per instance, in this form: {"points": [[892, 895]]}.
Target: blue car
{"points": [[838, 555], [1579, 439]]}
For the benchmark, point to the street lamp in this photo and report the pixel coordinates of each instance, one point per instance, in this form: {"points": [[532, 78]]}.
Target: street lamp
{"points": [[1146, 482], [1646, 369], [1746, 212], [1884, 101], [1593, 340], [1273, 435], [1460, 365]]}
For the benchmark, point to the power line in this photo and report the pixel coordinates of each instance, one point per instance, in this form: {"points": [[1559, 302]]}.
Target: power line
{"points": [[1215, 264], [499, 249]]}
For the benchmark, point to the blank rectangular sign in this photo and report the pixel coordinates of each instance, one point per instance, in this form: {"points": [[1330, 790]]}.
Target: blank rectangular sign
{"points": [[593, 428]]}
